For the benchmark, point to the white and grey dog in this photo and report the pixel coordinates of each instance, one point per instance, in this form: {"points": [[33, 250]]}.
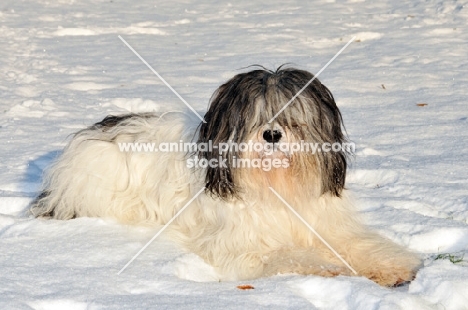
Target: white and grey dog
{"points": [[237, 224]]}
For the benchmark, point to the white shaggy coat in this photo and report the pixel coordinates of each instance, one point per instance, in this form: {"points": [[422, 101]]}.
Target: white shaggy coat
{"points": [[242, 239]]}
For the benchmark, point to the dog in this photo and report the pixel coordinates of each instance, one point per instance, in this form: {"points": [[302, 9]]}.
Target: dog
{"points": [[237, 224]]}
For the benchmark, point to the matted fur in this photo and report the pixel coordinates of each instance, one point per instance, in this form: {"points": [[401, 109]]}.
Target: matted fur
{"points": [[238, 225]]}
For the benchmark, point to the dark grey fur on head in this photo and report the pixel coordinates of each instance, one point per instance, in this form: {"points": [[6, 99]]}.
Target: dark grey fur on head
{"points": [[246, 103]]}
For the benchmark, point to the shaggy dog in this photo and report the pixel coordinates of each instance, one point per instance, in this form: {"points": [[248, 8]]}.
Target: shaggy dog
{"points": [[238, 225]]}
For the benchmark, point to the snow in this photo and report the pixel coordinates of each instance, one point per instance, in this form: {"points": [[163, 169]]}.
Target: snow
{"points": [[63, 67]]}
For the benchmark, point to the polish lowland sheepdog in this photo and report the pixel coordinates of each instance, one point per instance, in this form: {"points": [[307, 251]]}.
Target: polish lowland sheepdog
{"points": [[237, 224]]}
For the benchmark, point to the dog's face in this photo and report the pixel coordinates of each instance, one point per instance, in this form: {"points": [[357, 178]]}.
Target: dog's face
{"points": [[244, 110]]}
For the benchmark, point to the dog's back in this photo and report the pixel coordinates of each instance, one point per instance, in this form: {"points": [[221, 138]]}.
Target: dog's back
{"points": [[101, 171]]}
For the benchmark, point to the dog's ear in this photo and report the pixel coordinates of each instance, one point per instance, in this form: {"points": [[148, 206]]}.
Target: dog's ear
{"points": [[317, 108], [231, 117], [222, 125], [219, 179], [333, 169], [334, 162]]}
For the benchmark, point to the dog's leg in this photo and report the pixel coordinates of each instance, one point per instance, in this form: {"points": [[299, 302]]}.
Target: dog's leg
{"points": [[305, 261], [256, 249], [381, 260], [370, 254], [237, 259], [251, 265]]}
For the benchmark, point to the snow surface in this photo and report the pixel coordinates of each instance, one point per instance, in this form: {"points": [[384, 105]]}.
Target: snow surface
{"points": [[63, 68]]}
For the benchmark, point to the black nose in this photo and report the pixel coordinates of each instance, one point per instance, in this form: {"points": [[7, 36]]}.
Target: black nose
{"points": [[272, 136]]}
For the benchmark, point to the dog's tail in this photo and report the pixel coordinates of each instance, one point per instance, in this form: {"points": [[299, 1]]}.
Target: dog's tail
{"points": [[37, 208], [41, 207]]}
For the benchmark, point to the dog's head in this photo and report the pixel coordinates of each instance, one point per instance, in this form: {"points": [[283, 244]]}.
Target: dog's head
{"points": [[248, 109]]}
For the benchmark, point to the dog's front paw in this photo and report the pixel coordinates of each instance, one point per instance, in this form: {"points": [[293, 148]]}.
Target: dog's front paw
{"points": [[390, 277], [387, 264]]}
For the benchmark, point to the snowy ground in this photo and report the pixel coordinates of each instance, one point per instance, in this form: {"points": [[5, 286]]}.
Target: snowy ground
{"points": [[63, 68]]}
